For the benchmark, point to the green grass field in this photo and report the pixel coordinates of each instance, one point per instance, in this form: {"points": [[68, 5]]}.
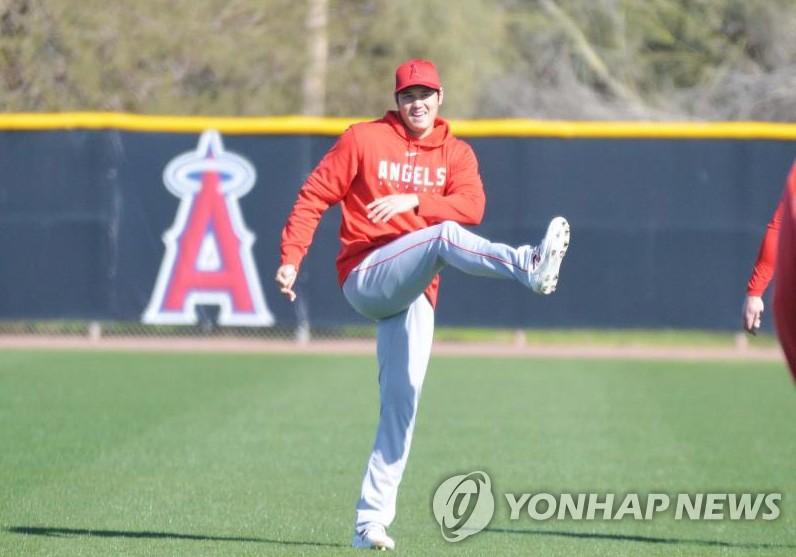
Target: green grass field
{"points": [[112, 453]]}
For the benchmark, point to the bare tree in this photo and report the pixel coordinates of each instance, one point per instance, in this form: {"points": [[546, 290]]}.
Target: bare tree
{"points": [[314, 85]]}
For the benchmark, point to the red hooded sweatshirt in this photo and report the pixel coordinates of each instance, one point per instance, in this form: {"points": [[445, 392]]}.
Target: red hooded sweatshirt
{"points": [[379, 158]]}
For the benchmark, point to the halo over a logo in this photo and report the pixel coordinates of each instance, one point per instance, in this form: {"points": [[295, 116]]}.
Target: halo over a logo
{"points": [[463, 505], [208, 259]]}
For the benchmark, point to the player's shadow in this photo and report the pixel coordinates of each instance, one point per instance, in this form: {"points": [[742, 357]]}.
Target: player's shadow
{"points": [[143, 534], [641, 539]]}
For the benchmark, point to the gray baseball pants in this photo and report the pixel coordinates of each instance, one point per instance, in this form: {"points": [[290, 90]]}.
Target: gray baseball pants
{"points": [[388, 286]]}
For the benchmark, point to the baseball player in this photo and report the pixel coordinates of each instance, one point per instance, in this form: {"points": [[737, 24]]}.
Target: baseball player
{"points": [[777, 253], [785, 285], [405, 186], [763, 270]]}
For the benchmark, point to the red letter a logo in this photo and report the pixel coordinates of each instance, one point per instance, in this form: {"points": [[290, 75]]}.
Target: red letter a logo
{"points": [[208, 257]]}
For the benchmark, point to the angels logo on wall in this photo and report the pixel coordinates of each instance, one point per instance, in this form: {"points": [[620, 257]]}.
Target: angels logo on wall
{"points": [[208, 259]]}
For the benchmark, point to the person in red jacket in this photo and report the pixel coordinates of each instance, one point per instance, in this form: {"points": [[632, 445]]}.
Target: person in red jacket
{"points": [[405, 186], [785, 286], [774, 255]]}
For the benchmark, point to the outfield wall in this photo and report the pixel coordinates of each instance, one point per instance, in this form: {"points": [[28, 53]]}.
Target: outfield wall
{"points": [[666, 218]]}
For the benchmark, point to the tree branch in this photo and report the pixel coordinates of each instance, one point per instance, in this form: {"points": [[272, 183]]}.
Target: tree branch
{"points": [[589, 55]]}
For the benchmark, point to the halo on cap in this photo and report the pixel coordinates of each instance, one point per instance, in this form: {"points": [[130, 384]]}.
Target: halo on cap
{"points": [[417, 72]]}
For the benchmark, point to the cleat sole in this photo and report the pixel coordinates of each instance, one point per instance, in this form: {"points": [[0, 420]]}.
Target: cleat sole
{"points": [[544, 279]]}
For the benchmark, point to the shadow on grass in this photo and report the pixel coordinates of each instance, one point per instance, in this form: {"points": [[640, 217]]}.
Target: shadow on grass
{"points": [[641, 539], [72, 532]]}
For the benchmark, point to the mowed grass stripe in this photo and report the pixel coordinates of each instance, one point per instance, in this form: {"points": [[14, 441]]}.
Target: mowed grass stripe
{"points": [[223, 454], [172, 439]]}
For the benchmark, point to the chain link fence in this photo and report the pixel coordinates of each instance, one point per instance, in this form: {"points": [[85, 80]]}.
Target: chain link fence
{"points": [[95, 330]]}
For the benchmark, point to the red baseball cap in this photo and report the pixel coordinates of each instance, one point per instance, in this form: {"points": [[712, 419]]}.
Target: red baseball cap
{"points": [[417, 72]]}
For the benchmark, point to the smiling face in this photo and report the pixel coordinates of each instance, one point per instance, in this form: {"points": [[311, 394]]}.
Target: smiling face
{"points": [[418, 106]]}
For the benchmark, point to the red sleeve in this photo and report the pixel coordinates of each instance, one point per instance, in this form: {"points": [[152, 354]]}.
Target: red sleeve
{"points": [[463, 200], [325, 186], [765, 264]]}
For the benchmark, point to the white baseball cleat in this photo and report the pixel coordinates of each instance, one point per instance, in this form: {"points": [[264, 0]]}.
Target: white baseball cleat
{"points": [[373, 536], [546, 258]]}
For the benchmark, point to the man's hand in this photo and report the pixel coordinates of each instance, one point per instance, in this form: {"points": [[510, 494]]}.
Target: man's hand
{"points": [[385, 208], [285, 278], [752, 313]]}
